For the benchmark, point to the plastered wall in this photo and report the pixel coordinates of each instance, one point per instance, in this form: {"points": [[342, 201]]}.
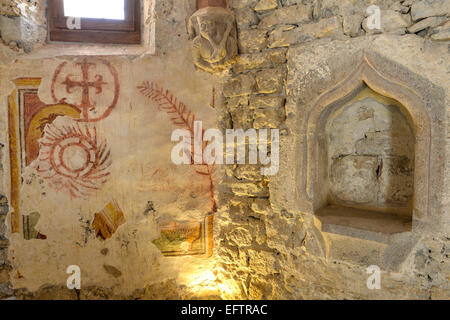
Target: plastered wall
{"points": [[98, 189]]}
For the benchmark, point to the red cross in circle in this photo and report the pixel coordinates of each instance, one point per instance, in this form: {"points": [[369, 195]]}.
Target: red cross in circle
{"points": [[85, 84]]}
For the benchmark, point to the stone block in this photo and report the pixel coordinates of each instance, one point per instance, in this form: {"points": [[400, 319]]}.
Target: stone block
{"points": [[240, 236], [385, 143], [265, 5], [262, 261], [4, 273], [10, 28], [251, 40], [4, 243], [3, 256], [430, 8], [241, 85], [326, 28], [2, 227], [286, 3], [9, 8], [242, 117], [430, 22], [249, 189], [261, 206], [236, 102], [368, 127], [270, 80], [441, 33], [4, 208], [283, 36], [352, 25], [22, 31], [268, 118], [397, 6], [5, 289], [391, 22], [357, 251], [260, 60], [330, 8], [266, 102], [237, 4], [245, 17]]}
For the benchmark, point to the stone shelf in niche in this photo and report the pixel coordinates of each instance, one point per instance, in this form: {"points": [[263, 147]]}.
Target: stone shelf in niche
{"points": [[364, 220]]}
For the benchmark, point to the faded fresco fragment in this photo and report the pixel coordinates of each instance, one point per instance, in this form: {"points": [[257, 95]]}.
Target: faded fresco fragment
{"points": [[94, 180], [75, 89], [180, 238], [180, 116], [29, 223], [28, 116], [107, 221], [188, 238], [66, 151], [73, 157]]}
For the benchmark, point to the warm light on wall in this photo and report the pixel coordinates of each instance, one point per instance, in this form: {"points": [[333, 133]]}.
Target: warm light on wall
{"points": [[208, 283]]}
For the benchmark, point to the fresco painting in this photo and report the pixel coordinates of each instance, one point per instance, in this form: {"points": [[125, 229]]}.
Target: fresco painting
{"points": [[73, 157], [180, 116], [63, 143], [29, 223], [181, 238], [28, 116], [108, 220], [78, 80], [186, 238]]}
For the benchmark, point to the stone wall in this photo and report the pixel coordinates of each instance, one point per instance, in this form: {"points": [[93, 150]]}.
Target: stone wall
{"points": [[5, 267], [23, 26], [274, 248]]}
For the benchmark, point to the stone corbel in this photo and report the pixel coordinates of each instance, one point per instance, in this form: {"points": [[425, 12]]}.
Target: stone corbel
{"points": [[212, 29]]}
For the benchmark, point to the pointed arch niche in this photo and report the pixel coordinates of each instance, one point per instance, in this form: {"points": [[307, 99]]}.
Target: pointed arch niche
{"points": [[368, 147]]}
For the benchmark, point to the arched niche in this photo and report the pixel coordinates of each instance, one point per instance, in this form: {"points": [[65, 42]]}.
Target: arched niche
{"points": [[382, 218]]}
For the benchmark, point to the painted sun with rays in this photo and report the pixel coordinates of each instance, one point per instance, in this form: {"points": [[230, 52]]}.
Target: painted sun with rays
{"points": [[73, 157]]}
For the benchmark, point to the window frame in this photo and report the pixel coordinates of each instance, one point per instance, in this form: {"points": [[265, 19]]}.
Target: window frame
{"points": [[93, 30]]}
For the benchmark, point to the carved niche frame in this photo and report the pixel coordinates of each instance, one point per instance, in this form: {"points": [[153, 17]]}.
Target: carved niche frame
{"points": [[327, 88], [326, 104]]}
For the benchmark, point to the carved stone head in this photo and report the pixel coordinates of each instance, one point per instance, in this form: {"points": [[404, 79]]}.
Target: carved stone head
{"points": [[213, 31]]}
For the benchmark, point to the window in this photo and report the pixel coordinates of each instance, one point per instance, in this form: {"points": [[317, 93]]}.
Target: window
{"points": [[100, 9], [95, 21]]}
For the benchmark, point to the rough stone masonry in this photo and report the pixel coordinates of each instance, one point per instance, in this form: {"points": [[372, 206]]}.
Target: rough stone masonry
{"points": [[276, 250]]}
